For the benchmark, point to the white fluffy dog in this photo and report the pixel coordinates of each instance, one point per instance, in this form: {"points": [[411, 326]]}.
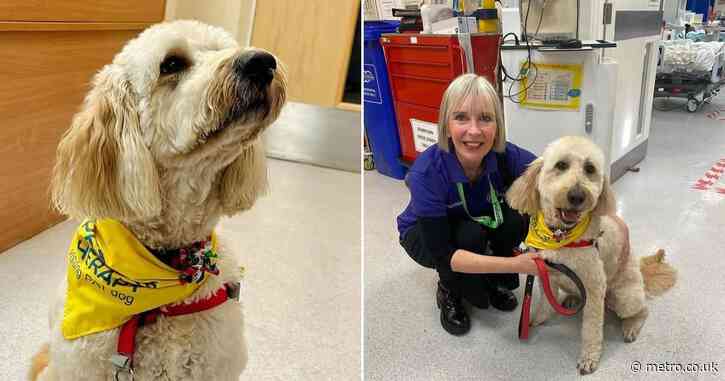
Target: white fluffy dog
{"points": [[166, 143], [565, 184]]}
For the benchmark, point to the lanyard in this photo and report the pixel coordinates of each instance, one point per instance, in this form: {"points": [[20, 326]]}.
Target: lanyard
{"points": [[484, 220]]}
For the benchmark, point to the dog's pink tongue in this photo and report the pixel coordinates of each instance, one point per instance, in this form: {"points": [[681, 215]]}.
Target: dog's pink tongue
{"points": [[570, 216]]}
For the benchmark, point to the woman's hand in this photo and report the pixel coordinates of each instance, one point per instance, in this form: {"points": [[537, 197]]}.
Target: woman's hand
{"points": [[524, 263], [464, 261]]}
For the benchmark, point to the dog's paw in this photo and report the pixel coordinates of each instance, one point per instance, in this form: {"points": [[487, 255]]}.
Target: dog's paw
{"points": [[587, 363], [632, 326], [542, 314], [571, 302], [538, 320], [630, 331], [630, 338]]}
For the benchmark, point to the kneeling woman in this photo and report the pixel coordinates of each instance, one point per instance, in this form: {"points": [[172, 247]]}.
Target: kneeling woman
{"points": [[457, 220]]}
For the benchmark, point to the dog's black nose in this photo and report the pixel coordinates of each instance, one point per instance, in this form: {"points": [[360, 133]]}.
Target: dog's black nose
{"points": [[258, 68], [575, 196]]}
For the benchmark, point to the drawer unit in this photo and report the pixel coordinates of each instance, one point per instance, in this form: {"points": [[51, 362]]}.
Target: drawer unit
{"points": [[421, 67]]}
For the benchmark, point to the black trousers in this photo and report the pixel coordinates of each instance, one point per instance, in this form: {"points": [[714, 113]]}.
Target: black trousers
{"points": [[471, 236]]}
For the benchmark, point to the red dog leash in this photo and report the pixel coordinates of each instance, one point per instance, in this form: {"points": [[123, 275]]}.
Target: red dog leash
{"points": [[546, 285]]}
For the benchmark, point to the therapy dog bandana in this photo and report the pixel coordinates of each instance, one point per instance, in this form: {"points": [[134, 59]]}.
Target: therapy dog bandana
{"points": [[542, 238], [112, 277]]}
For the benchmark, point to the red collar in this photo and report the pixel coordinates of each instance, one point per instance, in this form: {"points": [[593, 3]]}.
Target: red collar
{"points": [[582, 243], [123, 359]]}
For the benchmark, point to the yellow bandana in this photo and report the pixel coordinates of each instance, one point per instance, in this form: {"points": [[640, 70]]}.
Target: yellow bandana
{"points": [[112, 277], [542, 238]]}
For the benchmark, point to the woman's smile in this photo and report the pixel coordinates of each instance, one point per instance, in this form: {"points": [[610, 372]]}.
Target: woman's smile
{"points": [[472, 145]]}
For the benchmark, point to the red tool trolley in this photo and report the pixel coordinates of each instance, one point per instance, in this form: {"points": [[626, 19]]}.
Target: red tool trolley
{"points": [[420, 67]]}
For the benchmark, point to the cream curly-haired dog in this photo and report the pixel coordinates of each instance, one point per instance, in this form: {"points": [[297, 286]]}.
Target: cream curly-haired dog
{"points": [[566, 184], [166, 143]]}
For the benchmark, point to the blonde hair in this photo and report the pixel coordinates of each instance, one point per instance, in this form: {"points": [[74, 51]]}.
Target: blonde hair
{"points": [[475, 87]]}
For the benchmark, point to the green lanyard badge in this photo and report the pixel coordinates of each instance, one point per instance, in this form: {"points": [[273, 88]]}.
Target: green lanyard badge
{"points": [[484, 220]]}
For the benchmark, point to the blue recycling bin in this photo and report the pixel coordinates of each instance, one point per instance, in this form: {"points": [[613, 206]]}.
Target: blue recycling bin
{"points": [[380, 124]]}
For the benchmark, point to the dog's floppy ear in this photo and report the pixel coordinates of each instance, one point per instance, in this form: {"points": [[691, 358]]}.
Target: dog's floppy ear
{"points": [[524, 194], [103, 169], [244, 179], [606, 204]]}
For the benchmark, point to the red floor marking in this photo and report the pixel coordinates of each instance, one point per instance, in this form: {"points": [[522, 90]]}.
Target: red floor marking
{"points": [[711, 175], [715, 114], [704, 183]]}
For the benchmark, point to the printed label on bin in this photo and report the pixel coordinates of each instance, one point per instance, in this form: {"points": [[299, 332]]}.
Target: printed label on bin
{"points": [[371, 87], [425, 134]]}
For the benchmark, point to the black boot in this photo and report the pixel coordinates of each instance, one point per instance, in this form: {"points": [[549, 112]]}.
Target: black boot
{"points": [[502, 299], [454, 317], [475, 290]]}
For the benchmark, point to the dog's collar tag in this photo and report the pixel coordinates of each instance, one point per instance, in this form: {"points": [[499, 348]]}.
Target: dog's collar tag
{"points": [[492, 223]]}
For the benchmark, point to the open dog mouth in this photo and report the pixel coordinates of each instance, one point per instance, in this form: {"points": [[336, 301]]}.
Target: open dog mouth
{"points": [[569, 216]]}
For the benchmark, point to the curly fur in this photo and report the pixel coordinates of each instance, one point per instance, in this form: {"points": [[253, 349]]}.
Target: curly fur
{"points": [[607, 271], [658, 275], [167, 155]]}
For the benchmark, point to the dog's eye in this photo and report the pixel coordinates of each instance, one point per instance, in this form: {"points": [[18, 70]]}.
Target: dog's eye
{"points": [[590, 169], [562, 166], [173, 64]]}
